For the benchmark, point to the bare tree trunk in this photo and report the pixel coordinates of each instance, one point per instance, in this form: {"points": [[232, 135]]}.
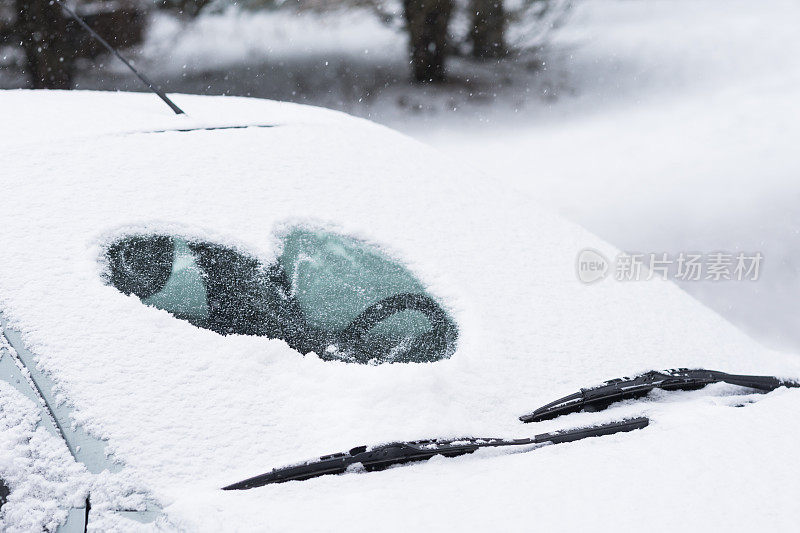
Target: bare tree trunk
{"points": [[488, 29], [45, 36], [427, 23]]}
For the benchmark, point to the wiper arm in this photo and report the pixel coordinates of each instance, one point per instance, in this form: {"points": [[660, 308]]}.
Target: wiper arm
{"points": [[386, 455], [600, 397]]}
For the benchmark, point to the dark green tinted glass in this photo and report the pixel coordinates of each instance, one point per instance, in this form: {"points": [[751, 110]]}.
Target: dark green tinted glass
{"points": [[336, 279], [4, 492], [328, 293]]}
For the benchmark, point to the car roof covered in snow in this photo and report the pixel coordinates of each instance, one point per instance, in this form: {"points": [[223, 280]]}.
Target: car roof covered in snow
{"points": [[189, 411]]}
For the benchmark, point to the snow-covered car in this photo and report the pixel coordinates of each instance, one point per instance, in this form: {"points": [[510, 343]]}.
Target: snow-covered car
{"points": [[191, 301]]}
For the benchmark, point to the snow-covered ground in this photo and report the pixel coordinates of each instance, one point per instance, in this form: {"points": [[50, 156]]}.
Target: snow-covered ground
{"points": [[680, 134]]}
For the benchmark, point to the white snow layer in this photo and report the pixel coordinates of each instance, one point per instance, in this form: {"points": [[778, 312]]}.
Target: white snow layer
{"points": [[189, 411], [673, 127], [44, 479]]}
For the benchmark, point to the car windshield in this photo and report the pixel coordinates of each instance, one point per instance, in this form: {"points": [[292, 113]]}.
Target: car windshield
{"points": [[328, 293]]}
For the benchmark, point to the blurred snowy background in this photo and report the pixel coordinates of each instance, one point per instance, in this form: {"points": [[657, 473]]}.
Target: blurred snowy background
{"points": [[660, 125]]}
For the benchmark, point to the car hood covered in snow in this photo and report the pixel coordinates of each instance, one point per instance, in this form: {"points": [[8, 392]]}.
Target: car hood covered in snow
{"points": [[188, 411]]}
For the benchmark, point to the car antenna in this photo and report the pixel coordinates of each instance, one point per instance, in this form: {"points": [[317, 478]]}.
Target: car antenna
{"points": [[150, 85]]}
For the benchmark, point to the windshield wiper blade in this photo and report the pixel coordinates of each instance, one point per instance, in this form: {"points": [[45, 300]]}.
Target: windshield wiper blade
{"points": [[386, 455], [600, 397]]}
